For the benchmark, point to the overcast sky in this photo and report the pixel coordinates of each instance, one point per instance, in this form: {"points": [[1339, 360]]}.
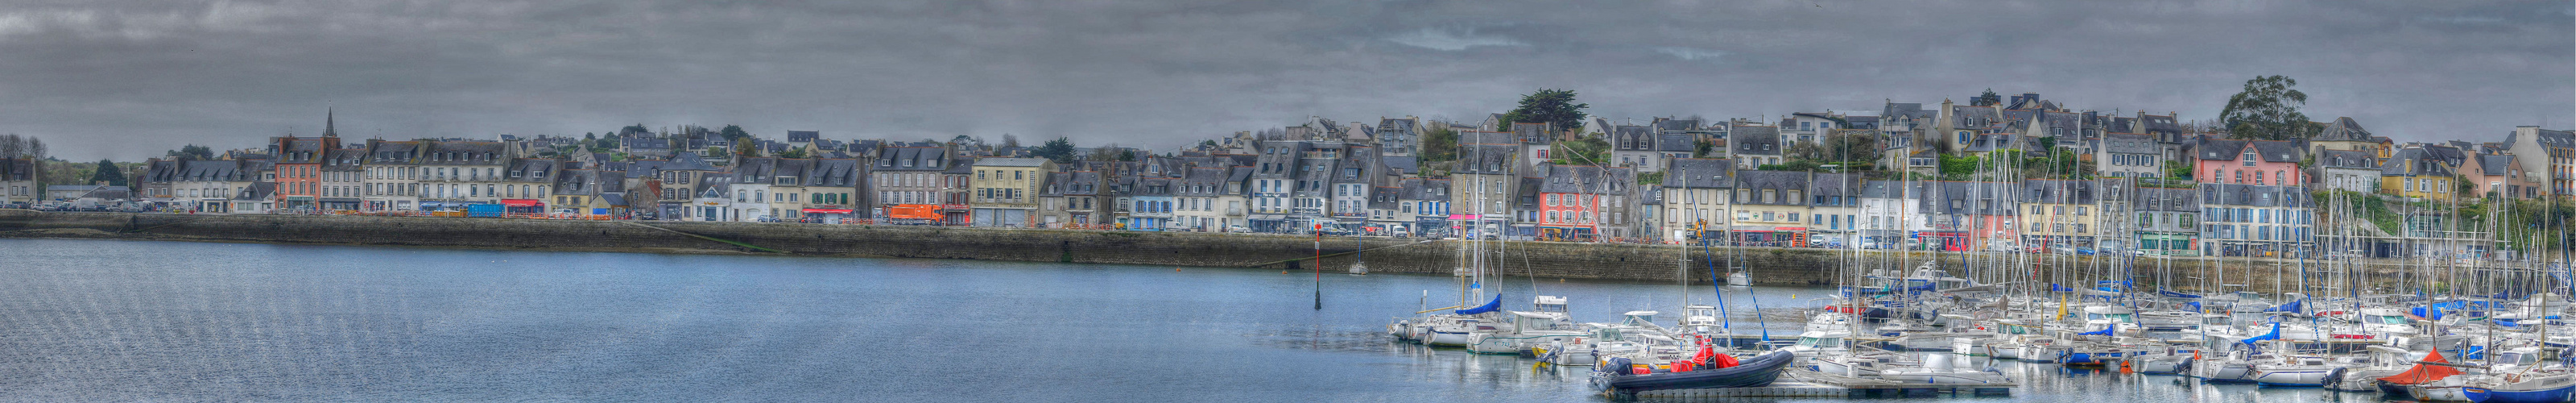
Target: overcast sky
{"points": [[129, 79]]}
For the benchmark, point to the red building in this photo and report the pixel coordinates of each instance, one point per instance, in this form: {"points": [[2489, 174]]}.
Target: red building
{"points": [[299, 165]]}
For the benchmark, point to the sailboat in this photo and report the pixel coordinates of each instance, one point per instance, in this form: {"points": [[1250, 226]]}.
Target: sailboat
{"points": [[1359, 257]]}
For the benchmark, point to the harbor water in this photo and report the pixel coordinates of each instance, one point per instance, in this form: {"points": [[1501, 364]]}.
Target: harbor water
{"points": [[88, 320]]}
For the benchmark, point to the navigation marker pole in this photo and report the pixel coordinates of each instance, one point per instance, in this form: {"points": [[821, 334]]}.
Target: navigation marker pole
{"points": [[1319, 266]]}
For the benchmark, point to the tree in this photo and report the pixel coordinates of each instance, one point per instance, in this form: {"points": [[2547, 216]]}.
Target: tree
{"points": [[108, 173], [1060, 150], [733, 133], [1439, 144], [1126, 155], [635, 129], [191, 152], [12, 146], [792, 153], [1105, 152], [1010, 141], [747, 149], [2268, 109], [1987, 99], [1551, 106], [1587, 151]]}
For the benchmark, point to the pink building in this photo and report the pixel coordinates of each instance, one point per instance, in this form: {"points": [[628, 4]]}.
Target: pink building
{"points": [[2250, 162]]}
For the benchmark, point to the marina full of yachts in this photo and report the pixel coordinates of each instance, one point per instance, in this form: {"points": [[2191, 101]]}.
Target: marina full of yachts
{"points": [[2486, 334]]}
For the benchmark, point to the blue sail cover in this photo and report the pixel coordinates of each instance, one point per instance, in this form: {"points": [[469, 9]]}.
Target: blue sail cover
{"points": [[2171, 294], [1489, 307], [2104, 332], [2250, 341], [2053, 287], [2113, 283], [2292, 307]]}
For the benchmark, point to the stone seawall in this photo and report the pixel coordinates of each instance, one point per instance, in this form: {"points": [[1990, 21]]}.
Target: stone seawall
{"points": [[1650, 263]]}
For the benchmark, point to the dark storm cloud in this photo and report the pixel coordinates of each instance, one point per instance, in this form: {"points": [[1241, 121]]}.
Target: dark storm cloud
{"points": [[127, 80]]}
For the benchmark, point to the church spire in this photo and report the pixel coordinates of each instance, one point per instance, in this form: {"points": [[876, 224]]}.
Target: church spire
{"points": [[329, 117]]}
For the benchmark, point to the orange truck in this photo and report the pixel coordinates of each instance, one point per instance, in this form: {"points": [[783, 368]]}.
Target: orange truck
{"points": [[914, 212]]}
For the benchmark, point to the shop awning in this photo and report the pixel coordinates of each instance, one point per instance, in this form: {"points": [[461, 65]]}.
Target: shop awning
{"points": [[827, 211], [521, 202]]}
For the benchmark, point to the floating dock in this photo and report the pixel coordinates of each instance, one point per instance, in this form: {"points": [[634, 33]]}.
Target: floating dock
{"points": [[1807, 383], [1865, 387], [1784, 388]]}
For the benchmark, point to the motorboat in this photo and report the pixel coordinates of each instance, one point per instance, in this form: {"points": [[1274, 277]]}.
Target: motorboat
{"points": [[1739, 279], [1527, 329], [2381, 362], [2300, 370], [1940, 368], [1620, 379], [2236, 367]]}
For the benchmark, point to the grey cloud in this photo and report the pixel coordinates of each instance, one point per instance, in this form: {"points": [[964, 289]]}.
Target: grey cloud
{"points": [[129, 79]]}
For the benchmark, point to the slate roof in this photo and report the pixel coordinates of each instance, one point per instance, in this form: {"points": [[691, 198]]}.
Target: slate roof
{"points": [[1203, 182], [2165, 199], [2215, 149], [344, 160], [1782, 181], [2130, 143], [1970, 198], [2058, 191], [1011, 162], [1631, 138], [2425, 164], [2495, 164], [1702, 173], [1488, 159], [257, 191], [834, 172], [1677, 125], [210, 171], [533, 170], [1680, 143], [2251, 195], [1424, 189], [931, 159], [464, 153], [2343, 129], [2348, 159], [1754, 140]]}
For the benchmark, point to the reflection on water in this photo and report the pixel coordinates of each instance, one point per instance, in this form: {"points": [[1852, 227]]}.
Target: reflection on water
{"points": [[130, 321]]}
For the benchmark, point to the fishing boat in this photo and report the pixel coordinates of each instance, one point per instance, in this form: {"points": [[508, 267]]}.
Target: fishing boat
{"points": [[1739, 279], [1622, 380]]}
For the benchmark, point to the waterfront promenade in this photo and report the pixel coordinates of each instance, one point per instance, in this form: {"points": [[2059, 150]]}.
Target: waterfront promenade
{"points": [[1545, 260]]}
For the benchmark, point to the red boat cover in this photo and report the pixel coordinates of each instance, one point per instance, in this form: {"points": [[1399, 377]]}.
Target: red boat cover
{"points": [[1722, 361], [2422, 373]]}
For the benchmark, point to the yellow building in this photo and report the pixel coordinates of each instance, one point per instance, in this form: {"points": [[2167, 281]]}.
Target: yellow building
{"points": [[2415, 173]]}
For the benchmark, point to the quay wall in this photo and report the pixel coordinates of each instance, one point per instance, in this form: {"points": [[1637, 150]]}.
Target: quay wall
{"points": [[1559, 260]]}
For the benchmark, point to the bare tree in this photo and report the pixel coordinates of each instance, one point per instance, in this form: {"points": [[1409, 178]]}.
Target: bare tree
{"points": [[11, 145], [1010, 141], [1105, 152]]}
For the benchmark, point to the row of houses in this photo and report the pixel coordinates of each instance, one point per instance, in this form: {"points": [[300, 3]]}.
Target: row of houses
{"points": [[2147, 183]]}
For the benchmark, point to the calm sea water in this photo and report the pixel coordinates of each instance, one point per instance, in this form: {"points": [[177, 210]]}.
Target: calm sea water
{"points": [[88, 320]]}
